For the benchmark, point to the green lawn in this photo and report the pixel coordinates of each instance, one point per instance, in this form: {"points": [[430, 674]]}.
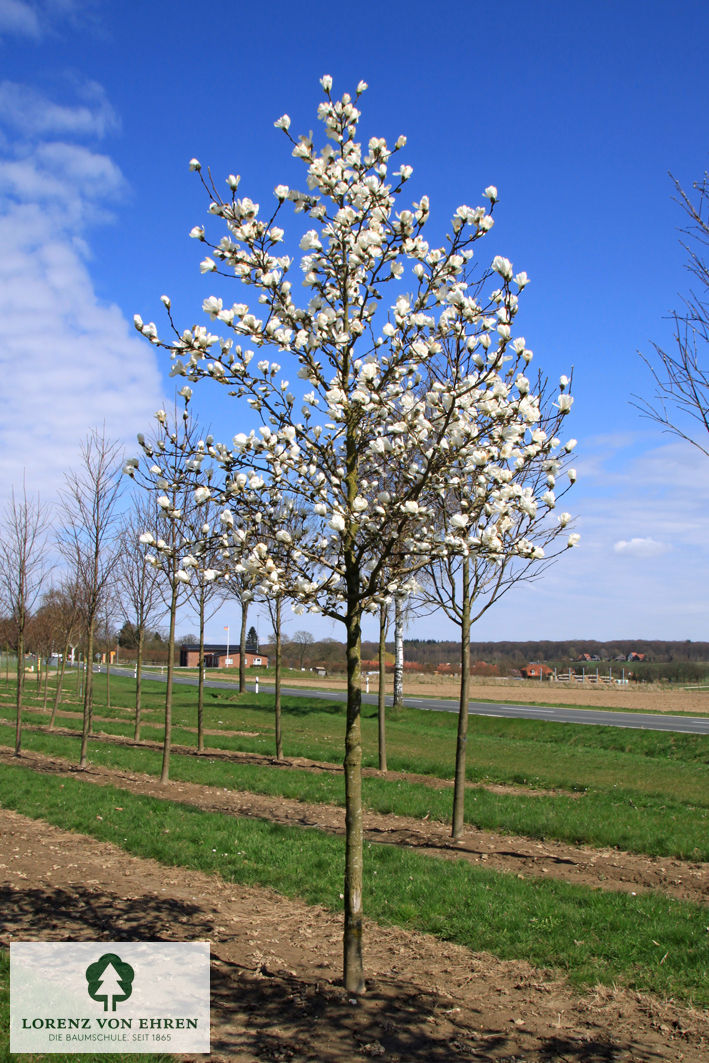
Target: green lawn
{"points": [[649, 942], [639, 790]]}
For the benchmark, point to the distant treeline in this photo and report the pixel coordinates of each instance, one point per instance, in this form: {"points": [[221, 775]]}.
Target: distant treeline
{"points": [[516, 654]]}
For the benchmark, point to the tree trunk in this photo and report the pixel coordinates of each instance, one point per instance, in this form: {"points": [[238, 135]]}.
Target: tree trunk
{"points": [[88, 694], [139, 681], [108, 679], [398, 654], [60, 681], [200, 679], [167, 740], [277, 700], [354, 877], [20, 689], [461, 747], [381, 703], [242, 645], [45, 692]]}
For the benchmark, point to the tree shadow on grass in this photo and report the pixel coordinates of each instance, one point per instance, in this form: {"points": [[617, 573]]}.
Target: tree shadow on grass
{"points": [[271, 1014]]}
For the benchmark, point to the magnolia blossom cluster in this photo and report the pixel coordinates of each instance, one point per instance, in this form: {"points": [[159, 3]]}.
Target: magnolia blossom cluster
{"points": [[173, 472], [378, 414]]}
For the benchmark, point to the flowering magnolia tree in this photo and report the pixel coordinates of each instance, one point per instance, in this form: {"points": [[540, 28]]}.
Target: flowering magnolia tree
{"points": [[465, 584], [391, 378], [172, 471]]}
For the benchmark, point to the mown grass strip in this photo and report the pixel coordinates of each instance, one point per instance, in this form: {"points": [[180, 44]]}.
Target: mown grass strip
{"points": [[522, 752], [649, 942], [604, 819], [54, 1057]]}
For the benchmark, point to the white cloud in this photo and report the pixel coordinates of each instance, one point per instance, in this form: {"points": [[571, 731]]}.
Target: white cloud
{"points": [[19, 19], [68, 361], [33, 113], [36, 18], [640, 547]]}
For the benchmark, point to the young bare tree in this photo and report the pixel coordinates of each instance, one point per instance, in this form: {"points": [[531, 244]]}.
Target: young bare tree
{"points": [[89, 518], [139, 584], [23, 569], [62, 606], [680, 403], [303, 640]]}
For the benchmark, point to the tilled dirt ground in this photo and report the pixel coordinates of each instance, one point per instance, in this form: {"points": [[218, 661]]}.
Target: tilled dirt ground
{"points": [[276, 963]]}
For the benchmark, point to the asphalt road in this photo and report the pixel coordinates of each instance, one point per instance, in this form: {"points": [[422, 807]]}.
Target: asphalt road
{"points": [[559, 714]]}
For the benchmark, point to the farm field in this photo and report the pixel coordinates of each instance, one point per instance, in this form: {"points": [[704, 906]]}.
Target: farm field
{"points": [[645, 697], [568, 924]]}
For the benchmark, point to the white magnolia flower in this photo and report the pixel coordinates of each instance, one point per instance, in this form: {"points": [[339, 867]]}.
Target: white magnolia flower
{"points": [[491, 193], [574, 539], [195, 164], [181, 576], [201, 495], [147, 538], [283, 122], [503, 266], [326, 82]]}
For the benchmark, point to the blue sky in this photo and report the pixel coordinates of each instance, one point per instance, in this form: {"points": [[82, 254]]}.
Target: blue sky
{"points": [[574, 110]]}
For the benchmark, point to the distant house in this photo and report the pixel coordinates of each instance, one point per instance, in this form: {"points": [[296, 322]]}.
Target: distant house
{"points": [[537, 671], [633, 656], [215, 656]]}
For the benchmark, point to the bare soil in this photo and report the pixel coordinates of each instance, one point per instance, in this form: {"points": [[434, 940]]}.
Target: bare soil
{"points": [[276, 991]]}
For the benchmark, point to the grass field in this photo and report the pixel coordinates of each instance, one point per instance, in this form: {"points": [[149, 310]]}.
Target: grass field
{"points": [[642, 791], [593, 936], [647, 792]]}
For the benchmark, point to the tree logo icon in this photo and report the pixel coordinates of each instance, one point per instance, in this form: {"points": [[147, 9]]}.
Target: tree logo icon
{"points": [[110, 980]]}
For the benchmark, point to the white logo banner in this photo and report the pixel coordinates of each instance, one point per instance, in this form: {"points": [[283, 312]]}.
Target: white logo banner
{"points": [[121, 996]]}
